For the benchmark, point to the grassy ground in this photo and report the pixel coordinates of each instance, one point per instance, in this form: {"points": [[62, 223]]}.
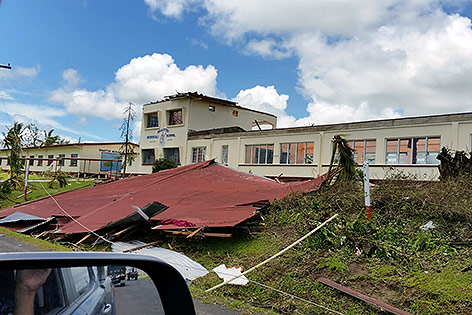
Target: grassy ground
{"points": [[37, 191], [42, 244], [423, 272]]}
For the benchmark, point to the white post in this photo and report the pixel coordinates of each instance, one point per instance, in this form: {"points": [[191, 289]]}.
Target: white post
{"points": [[366, 188], [26, 177]]}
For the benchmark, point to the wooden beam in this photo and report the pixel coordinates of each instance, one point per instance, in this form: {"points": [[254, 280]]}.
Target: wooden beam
{"points": [[194, 232], [203, 234], [362, 297], [141, 247], [124, 230], [83, 238]]}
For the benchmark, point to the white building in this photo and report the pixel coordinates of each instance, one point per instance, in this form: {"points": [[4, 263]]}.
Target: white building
{"points": [[190, 127]]}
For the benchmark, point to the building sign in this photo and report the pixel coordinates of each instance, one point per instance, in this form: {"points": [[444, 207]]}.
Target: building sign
{"points": [[108, 166], [163, 135]]}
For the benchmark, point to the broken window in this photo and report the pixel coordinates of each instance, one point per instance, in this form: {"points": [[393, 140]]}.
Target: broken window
{"points": [[413, 150], [172, 154], [152, 120], [259, 154], [198, 154], [73, 162], [297, 153], [364, 150], [148, 156], [175, 117], [224, 154], [61, 161]]}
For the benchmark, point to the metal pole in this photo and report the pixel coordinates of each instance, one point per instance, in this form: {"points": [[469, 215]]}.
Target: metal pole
{"points": [[365, 165]]}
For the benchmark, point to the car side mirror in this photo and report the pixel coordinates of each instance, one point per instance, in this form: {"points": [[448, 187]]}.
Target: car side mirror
{"points": [[109, 270]]}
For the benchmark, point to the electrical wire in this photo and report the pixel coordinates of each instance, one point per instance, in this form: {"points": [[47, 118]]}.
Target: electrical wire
{"points": [[253, 281]]}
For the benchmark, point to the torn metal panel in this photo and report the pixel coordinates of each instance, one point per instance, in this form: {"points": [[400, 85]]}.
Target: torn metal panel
{"points": [[187, 267], [19, 216]]}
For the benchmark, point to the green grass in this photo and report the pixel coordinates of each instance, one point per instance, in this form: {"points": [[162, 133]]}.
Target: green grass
{"points": [[414, 270], [41, 244], [16, 197]]}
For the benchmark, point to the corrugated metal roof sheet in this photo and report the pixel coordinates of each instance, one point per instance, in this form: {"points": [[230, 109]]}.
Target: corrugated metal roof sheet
{"points": [[19, 216], [206, 194], [188, 268]]}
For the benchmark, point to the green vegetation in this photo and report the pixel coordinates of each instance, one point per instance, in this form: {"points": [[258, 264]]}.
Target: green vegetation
{"points": [[42, 244], [390, 258], [163, 164], [16, 196]]}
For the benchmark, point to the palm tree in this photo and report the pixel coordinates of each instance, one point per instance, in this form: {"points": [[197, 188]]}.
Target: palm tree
{"points": [[13, 140], [50, 139]]}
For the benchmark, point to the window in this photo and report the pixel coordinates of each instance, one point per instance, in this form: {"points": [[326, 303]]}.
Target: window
{"points": [[40, 162], [50, 159], [80, 279], [24, 159], [31, 161], [72, 161], [296, 153], [148, 156], [211, 108], [224, 154], [413, 150], [198, 154], [363, 150], [152, 120], [172, 154], [175, 117], [61, 161], [259, 154]]}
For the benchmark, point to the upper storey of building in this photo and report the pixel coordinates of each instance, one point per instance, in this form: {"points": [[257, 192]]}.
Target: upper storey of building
{"points": [[194, 111]]}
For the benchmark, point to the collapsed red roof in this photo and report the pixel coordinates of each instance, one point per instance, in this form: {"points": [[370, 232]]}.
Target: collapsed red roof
{"points": [[206, 194]]}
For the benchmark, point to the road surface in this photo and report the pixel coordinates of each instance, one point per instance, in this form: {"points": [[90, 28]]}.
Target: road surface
{"points": [[131, 298]]}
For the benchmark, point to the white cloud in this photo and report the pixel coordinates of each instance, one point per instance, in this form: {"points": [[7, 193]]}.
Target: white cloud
{"points": [[357, 59], [20, 72], [142, 80], [170, 8]]}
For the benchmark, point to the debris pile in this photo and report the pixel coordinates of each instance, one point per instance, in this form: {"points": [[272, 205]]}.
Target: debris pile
{"points": [[202, 199]]}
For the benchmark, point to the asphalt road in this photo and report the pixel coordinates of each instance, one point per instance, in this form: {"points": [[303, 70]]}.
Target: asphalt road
{"points": [[130, 298]]}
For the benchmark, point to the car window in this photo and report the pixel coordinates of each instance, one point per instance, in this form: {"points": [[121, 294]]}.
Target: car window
{"points": [[50, 297], [80, 279]]}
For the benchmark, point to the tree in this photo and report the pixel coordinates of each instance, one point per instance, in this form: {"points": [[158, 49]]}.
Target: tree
{"points": [[127, 148], [346, 167], [31, 136], [50, 139], [13, 140]]}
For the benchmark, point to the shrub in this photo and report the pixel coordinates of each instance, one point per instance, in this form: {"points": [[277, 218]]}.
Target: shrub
{"points": [[163, 164]]}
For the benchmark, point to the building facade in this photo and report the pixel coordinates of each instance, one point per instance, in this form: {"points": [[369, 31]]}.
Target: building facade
{"points": [[189, 128], [79, 158]]}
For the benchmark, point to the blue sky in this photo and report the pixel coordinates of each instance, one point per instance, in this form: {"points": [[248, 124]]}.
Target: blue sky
{"points": [[76, 63]]}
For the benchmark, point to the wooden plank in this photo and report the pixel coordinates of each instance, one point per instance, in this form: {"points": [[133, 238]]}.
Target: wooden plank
{"points": [[362, 297], [141, 247], [194, 232], [124, 230], [203, 234], [83, 238]]}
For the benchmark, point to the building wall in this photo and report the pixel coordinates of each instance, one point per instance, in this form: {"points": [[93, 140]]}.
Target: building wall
{"points": [[453, 134], [89, 151]]}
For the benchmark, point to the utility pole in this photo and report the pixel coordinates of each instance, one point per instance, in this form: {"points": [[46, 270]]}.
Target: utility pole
{"points": [[126, 131]]}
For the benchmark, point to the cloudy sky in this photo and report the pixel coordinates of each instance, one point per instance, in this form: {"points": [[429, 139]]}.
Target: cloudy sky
{"points": [[77, 63]]}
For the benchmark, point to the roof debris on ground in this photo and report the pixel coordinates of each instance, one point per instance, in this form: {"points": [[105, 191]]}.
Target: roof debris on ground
{"points": [[188, 198]]}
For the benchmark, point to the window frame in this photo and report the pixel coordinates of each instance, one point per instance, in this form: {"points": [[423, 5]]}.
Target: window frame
{"points": [[31, 162], [288, 161], [148, 120], [40, 161], [153, 155], [61, 162], [73, 162], [413, 150], [197, 155], [170, 121], [256, 156], [224, 154]]}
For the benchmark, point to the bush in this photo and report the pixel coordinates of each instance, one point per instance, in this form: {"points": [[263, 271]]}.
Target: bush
{"points": [[163, 164]]}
